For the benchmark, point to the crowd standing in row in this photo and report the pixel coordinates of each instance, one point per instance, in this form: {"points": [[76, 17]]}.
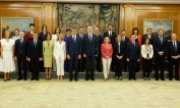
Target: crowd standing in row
{"points": [[77, 52]]}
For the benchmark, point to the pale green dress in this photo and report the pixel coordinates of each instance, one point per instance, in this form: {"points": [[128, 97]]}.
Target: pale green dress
{"points": [[48, 53]]}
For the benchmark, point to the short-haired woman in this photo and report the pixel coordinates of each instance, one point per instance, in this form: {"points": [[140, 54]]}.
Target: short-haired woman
{"points": [[106, 51], [48, 55]]}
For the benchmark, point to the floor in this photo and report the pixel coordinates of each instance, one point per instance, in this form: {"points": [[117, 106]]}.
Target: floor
{"points": [[90, 94]]}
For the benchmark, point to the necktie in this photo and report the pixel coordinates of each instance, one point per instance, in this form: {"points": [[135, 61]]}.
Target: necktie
{"points": [[35, 42], [175, 47], [119, 48], [133, 43], [110, 33], [90, 37], [161, 39], [74, 38]]}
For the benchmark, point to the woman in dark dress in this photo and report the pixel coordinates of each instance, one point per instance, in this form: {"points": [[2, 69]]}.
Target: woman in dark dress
{"points": [[41, 38], [43, 33]]}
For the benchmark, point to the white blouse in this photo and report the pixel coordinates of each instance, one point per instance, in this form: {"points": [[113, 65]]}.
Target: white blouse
{"points": [[147, 51], [59, 50]]}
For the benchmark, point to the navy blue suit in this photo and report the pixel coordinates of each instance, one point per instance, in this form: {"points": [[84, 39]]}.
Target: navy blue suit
{"points": [[90, 49], [21, 53], [173, 51], [74, 48], [159, 60], [133, 54], [34, 53], [119, 50]]}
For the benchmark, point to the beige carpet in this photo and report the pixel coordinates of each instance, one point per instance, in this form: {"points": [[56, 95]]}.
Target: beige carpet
{"points": [[83, 94]]}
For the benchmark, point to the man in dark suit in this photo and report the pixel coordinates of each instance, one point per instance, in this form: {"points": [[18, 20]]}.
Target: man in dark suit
{"points": [[99, 57], [112, 35], [90, 51], [159, 44], [173, 50], [82, 60], [125, 40], [119, 52], [73, 48], [149, 35], [35, 56], [20, 56], [133, 57]]}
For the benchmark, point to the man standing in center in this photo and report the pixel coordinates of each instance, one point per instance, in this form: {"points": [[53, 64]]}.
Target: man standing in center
{"points": [[90, 51], [73, 49]]}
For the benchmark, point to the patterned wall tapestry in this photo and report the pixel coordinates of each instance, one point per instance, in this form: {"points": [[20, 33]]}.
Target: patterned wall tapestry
{"points": [[77, 15]]}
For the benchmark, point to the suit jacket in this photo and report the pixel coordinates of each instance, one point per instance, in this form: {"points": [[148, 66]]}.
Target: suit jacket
{"points": [[133, 52], [35, 51], [122, 49], [146, 37], [139, 39], [59, 50], [158, 47], [171, 50], [20, 48], [106, 50], [74, 48], [90, 47], [112, 38], [47, 48]]}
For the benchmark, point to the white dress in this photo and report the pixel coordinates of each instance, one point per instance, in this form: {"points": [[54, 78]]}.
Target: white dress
{"points": [[1, 66], [60, 55], [8, 64]]}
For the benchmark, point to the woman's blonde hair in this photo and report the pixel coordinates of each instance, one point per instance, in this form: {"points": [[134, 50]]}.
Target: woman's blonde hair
{"points": [[60, 36]]}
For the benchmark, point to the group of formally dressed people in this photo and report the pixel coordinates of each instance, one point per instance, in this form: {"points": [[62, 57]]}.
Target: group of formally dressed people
{"points": [[75, 52]]}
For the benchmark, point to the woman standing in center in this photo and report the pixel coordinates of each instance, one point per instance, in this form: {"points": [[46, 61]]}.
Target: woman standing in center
{"points": [[48, 55], [147, 53], [60, 56], [106, 51]]}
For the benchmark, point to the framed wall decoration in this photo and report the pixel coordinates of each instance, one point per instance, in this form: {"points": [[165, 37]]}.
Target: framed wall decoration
{"points": [[156, 24], [83, 15], [12, 23]]}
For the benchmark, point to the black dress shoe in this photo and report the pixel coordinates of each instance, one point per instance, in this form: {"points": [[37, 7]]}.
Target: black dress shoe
{"points": [[70, 79], [177, 79], [19, 79], [25, 79], [37, 79], [134, 78], [162, 79], [92, 79], [32, 79]]}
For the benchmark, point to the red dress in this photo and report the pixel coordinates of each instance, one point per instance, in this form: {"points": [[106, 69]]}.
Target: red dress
{"points": [[29, 36]]}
